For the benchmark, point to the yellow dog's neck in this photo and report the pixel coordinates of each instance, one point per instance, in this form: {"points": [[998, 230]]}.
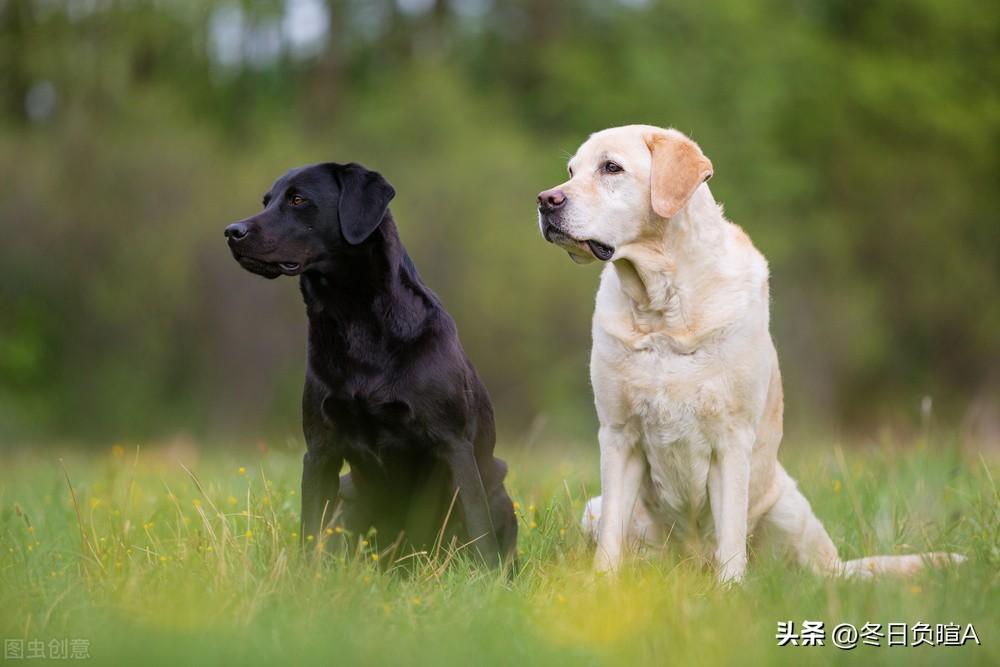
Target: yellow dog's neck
{"points": [[668, 276]]}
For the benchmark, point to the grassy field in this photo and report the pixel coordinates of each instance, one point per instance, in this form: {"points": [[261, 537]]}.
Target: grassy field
{"points": [[153, 565]]}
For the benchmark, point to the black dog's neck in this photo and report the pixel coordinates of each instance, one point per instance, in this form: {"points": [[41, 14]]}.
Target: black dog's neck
{"points": [[373, 284]]}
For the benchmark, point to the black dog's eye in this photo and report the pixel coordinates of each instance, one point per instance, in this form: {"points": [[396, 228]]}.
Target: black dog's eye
{"points": [[296, 200], [612, 167]]}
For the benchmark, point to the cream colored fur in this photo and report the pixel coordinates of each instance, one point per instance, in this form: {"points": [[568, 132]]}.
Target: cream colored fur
{"points": [[684, 371]]}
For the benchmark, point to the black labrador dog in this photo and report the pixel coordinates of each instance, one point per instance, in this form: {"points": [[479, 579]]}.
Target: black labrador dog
{"points": [[388, 388]]}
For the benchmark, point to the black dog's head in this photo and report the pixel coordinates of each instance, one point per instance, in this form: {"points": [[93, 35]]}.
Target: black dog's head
{"points": [[311, 214]]}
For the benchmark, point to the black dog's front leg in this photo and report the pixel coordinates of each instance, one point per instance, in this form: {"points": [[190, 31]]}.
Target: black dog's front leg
{"points": [[320, 491], [472, 500]]}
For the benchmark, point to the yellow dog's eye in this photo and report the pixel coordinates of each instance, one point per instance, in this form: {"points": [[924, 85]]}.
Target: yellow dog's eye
{"points": [[296, 200], [612, 167]]}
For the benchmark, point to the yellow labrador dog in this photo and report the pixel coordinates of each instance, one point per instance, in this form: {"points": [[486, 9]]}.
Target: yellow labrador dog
{"points": [[684, 371]]}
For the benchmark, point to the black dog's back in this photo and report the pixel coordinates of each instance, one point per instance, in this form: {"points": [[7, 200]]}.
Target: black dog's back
{"points": [[389, 388]]}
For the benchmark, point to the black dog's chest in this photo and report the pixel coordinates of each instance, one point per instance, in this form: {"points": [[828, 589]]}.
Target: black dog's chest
{"points": [[366, 412], [370, 416], [389, 450]]}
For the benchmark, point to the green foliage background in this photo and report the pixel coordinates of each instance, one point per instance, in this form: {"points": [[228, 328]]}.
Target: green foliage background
{"points": [[856, 142]]}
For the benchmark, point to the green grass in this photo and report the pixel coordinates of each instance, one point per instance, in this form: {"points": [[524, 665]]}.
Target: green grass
{"points": [[156, 571]]}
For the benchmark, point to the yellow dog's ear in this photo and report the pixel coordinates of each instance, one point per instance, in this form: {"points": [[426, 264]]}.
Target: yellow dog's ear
{"points": [[678, 168]]}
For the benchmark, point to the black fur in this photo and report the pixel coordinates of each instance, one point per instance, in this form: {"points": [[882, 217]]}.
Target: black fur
{"points": [[388, 387]]}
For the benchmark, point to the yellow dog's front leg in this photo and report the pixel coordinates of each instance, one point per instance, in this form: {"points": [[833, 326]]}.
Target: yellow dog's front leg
{"points": [[728, 494], [622, 469]]}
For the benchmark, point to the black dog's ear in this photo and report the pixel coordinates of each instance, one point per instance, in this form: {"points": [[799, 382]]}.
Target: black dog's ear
{"points": [[364, 198]]}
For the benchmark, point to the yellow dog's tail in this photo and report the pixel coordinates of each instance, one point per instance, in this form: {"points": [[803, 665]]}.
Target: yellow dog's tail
{"points": [[902, 566]]}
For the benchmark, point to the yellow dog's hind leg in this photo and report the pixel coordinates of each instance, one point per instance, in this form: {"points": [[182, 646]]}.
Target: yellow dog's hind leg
{"points": [[792, 522]]}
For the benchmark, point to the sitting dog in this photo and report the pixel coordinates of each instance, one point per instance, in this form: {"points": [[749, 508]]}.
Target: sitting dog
{"points": [[388, 386], [684, 371]]}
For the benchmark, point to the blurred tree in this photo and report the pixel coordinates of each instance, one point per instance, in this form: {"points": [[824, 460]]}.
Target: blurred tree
{"points": [[857, 143]]}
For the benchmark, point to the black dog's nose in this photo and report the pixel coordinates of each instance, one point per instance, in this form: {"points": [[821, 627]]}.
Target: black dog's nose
{"points": [[237, 230], [550, 200]]}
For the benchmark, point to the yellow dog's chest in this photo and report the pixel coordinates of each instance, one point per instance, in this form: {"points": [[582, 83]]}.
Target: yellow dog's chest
{"points": [[679, 404]]}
